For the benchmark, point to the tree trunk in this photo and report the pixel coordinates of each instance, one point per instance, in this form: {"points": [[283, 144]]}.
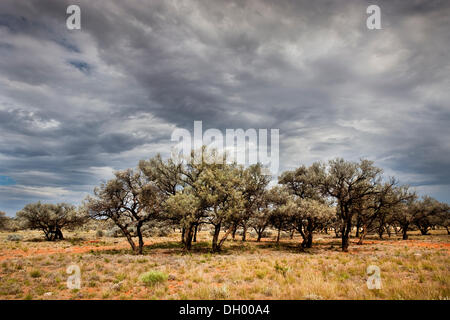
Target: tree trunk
{"points": [[345, 242], [233, 235], [223, 239], [259, 232], [244, 233], [183, 231], [188, 237], [259, 236], [195, 233], [47, 234], [303, 235], [52, 234], [381, 232], [358, 226], [141, 240], [215, 245], [405, 233], [309, 238], [130, 241], [307, 234], [58, 234], [291, 236], [278, 235], [346, 233]]}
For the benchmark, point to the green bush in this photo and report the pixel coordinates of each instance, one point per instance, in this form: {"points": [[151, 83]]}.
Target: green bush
{"points": [[153, 277], [35, 274], [281, 269]]}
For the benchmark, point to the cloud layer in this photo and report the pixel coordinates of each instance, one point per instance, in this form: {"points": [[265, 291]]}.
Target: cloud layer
{"points": [[77, 104]]}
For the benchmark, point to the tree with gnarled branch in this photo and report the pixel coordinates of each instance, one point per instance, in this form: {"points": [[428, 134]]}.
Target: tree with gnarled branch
{"points": [[51, 218]]}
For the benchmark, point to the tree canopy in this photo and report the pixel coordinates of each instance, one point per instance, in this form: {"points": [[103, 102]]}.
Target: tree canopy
{"points": [[341, 195], [51, 218]]}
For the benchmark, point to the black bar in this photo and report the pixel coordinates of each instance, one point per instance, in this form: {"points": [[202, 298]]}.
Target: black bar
{"points": [[228, 309]]}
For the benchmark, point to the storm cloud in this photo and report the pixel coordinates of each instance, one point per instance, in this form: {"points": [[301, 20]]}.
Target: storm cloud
{"points": [[75, 105]]}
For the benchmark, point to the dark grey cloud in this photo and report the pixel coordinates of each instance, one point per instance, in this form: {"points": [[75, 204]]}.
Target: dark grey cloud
{"points": [[76, 105]]}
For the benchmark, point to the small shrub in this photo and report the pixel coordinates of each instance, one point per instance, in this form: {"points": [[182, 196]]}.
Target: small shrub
{"points": [[120, 277], [14, 237], [35, 274], [219, 293], [261, 274], [281, 269], [153, 277], [99, 233]]}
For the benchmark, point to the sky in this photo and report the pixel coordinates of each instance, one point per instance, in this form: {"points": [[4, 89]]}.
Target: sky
{"points": [[76, 105]]}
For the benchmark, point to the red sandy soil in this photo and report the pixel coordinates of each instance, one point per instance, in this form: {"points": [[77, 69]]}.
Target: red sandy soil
{"points": [[16, 253], [412, 243], [9, 254]]}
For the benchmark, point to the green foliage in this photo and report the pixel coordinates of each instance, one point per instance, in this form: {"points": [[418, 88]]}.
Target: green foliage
{"points": [[35, 274], [51, 218], [162, 195], [130, 199], [281, 269], [152, 278]]}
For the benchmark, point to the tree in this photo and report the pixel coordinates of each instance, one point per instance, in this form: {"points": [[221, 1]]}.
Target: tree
{"points": [[310, 215], [51, 218], [312, 211], [220, 189], [185, 208], [426, 213], [403, 215], [335, 224], [210, 192], [282, 207], [303, 182], [191, 190], [254, 185], [444, 217], [3, 220], [374, 209], [129, 200], [167, 177], [260, 218], [349, 183], [396, 197]]}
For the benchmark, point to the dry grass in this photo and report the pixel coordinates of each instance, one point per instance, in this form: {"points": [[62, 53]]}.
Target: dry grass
{"points": [[35, 269]]}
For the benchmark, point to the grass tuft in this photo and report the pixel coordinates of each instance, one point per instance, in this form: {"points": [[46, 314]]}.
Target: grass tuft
{"points": [[152, 278]]}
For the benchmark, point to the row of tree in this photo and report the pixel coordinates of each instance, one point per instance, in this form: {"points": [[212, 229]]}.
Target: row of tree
{"points": [[338, 195]]}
